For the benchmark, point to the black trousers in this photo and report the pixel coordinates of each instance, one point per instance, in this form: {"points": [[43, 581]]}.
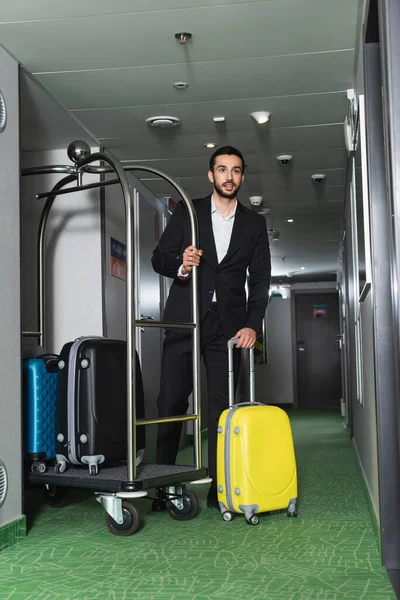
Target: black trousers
{"points": [[177, 385]]}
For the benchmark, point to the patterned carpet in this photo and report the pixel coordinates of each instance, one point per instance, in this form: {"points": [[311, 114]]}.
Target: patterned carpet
{"points": [[328, 553]]}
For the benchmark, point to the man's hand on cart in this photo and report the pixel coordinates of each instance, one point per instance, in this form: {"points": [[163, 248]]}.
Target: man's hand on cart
{"points": [[191, 258]]}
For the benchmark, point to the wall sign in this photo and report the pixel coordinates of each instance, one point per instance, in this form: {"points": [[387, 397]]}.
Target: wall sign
{"points": [[319, 311], [118, 259]]}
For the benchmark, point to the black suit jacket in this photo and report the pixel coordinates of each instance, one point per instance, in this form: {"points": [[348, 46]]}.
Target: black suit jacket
{"points": [[248, 249]]}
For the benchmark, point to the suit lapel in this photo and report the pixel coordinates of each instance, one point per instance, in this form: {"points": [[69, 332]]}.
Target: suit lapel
{"points": [[207, 242]]}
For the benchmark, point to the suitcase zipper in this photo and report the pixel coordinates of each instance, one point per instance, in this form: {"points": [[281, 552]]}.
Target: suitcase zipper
{"points": [[227, 458], [71, 397], [228, 483]]}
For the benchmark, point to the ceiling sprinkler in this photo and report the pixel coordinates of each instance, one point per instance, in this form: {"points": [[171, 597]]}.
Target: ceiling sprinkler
{"points": [[183, 37]]}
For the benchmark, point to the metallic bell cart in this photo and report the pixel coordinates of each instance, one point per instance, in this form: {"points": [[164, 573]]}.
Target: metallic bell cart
{"points": [[116, 487]]}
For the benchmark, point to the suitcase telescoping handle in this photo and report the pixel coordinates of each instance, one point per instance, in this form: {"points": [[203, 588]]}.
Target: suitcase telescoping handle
{"points": [[231, 343]]}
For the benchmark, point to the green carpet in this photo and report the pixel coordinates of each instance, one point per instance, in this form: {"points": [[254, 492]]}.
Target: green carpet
{"points": [[328, 553]]}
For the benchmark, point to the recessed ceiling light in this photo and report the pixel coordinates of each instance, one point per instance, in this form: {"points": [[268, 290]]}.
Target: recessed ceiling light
{"points": [[163, 122], [302, 268], [289, 220], [181, 85], [261, 116], [210, 145], [219, 119]]}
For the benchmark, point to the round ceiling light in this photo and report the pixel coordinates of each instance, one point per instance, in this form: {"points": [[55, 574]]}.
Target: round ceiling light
{"points": [[181, 85], [3, 113], [163, 122], [210, 145]]}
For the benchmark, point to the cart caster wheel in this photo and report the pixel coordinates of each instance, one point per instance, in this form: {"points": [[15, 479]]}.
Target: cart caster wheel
{"points": [[93, 469], [228, 516], [56, 497], [130, 523], [189, 509], [254, 520], [60, 467], [41, 467]]}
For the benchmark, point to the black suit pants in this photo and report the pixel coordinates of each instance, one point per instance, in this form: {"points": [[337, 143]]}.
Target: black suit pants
{"points": [[177, 385]]}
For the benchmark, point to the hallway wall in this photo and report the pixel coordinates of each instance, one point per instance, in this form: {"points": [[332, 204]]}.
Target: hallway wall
{"points": [[10, 324]]}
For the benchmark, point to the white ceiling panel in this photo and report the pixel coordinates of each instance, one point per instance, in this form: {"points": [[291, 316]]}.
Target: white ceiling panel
{"points": [[123, 40], [286, 111], [196, 167], [259, 77], [170, 143], [27, 10]]}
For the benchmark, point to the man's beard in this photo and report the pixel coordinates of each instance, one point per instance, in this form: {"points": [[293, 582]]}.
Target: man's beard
{"points": [[229, 195]]}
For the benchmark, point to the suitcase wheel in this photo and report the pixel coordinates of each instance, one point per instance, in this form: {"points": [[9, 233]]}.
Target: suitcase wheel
{"points": [[93, 469], [130, 523], [254, 520], [60, 467], [39, 467], [292, 508], [188, 507], [228, 516]]}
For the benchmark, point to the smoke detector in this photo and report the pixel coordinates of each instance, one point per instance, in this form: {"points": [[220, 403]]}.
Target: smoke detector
{"points": [[3, 113], [163, 122]]}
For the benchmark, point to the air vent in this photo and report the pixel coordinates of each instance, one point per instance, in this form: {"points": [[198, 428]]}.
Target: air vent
{"points": [[3, 483], [163, 122], [3, 113]]}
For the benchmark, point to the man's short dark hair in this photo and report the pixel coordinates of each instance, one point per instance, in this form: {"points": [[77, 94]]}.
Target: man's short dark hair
{"points": [[227, 150]]}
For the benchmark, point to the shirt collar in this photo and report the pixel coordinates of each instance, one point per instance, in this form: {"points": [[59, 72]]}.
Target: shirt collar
{"points": [[214, 209]]}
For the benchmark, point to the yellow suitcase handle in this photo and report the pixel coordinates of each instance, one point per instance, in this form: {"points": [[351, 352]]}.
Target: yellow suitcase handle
{"points": [[231, 343]]}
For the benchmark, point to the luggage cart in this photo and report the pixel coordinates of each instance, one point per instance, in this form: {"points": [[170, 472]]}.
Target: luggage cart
{"points": [[116, 487]]}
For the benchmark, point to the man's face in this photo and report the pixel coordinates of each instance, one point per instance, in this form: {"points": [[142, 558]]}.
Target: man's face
{"points": [[227, 175]]}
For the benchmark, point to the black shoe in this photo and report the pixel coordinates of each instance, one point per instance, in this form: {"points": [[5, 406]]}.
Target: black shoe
{"points": [[212, 498]]}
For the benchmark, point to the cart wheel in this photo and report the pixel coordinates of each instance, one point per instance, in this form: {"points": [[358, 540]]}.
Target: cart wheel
{"points": [[228, 516], [60, 467], [41, 467], [56, 497], [254, 520], [130, 523], [93, 469], [189, 509]]}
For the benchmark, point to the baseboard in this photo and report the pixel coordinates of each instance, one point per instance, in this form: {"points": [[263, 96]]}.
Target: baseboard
{"points": [[368, 496], [12, 533]]}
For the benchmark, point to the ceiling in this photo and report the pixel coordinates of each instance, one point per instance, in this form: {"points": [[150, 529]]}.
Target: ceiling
{"points": [[113, 67]]}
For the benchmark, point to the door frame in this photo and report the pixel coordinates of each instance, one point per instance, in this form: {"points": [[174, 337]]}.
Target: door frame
{"points": [[382, 94], [293, 294]]}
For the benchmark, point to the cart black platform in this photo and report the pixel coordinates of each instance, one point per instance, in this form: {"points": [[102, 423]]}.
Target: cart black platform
{"points": [[116, 487]]}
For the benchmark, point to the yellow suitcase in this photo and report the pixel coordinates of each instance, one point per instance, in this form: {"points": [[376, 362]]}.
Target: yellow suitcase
{"points": [[256, 464]]}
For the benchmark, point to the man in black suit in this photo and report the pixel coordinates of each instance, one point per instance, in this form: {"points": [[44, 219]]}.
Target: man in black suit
{"points": [[233, 240]]}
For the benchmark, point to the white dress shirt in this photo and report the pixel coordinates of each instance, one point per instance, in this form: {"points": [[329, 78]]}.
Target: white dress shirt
{"points": [[222, 230]]}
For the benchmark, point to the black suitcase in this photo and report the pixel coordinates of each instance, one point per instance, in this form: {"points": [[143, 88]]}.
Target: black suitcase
{"points": [[91, 414]]}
